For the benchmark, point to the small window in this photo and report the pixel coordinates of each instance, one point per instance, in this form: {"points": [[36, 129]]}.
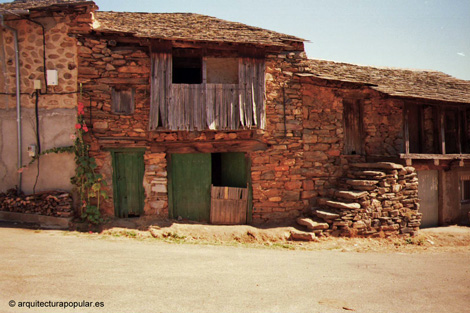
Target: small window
{"points": [[465, 191], [123, 101], [187, 70]]}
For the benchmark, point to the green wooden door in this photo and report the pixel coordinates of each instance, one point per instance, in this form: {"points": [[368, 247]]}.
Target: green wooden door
{"points": [[128, 188], [190, 186]]}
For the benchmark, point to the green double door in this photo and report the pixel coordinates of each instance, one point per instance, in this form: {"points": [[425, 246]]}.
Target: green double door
{"points": [[128, 175], [191, 177]]}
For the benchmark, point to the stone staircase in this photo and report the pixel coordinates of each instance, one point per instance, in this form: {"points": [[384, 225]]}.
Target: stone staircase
{"points": [[372, 200]]}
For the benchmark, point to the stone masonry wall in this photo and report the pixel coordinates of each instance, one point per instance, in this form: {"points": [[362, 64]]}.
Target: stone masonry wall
{"points": [[57, 104], [280, 188], [373, 199], [103, 66]]}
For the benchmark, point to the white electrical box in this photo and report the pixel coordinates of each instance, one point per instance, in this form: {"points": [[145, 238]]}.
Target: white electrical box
{"points": [[37, 84], [52, 78]]}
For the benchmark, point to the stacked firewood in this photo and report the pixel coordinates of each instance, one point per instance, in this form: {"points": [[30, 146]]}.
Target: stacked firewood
{"points": [[50, 203]]}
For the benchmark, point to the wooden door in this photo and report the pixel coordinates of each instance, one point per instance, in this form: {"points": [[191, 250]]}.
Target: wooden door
{"points": [[428, 192], [353, 134], [128, 175], [191, 176]]}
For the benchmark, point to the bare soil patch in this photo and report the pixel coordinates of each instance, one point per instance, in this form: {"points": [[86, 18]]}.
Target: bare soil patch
{"points": [[441, 239]]}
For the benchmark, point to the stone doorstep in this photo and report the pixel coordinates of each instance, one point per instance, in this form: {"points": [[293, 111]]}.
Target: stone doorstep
{"points": [[42, 220]]}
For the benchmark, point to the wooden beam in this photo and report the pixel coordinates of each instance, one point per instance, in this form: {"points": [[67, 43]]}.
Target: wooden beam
{"points": [[212, 146], [409, 162], [436, 162], [419, 156]]}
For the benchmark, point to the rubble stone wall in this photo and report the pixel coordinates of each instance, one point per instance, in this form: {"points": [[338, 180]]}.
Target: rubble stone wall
{"points": [[57, 104], [373, 199]]}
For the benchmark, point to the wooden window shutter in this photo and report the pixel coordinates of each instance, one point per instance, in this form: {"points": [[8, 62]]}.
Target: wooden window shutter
{"points": [[251, 79], [122, 101]]}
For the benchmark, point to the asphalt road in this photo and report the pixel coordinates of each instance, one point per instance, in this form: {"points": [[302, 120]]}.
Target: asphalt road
{"points": [[126, 275]]}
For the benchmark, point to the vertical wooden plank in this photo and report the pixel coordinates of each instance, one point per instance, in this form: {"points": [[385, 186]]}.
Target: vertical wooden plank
{"points": [[241, 91], [248, 92], [261, 82], [154, 117], [168, 69], [210, 107]]}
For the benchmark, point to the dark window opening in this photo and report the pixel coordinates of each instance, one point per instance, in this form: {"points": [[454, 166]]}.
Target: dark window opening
{"points": [[187, 70], [229, 170], [465, 191]]}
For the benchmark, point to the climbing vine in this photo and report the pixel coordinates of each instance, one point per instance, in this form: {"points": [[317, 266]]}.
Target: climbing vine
{"points": [[88, 183]]}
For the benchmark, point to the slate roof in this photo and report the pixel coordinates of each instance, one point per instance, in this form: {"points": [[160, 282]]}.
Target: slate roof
{"points": [[424, 84], [39, 4], [187, 26]]}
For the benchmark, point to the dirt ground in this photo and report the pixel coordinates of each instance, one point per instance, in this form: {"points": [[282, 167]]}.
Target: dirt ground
{"points": [[450, 238]]}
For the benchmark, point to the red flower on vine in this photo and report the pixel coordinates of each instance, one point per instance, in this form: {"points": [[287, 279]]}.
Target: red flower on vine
{"points": [[85, 128], [81, 108], [78, 126]]}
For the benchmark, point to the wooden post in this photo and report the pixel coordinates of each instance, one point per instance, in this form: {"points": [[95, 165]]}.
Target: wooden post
{"points": [[441, 126], [459, 130], [406, 131], [422, 140]]}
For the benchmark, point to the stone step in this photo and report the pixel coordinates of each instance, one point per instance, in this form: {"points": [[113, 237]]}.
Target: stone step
{"points": [[326, 215], [311, 224], [361, 182], [343, 205], [368, 174], [350, 195], [378, 165], [303, 235]]}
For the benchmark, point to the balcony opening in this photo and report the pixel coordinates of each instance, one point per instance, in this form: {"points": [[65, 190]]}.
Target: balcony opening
{"points": [[187, 70]]}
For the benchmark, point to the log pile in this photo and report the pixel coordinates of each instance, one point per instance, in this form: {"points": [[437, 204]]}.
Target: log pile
{"points": [[51, 203]]}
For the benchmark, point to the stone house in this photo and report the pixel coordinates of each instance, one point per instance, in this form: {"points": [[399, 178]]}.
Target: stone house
{"points": [[204, 119]]}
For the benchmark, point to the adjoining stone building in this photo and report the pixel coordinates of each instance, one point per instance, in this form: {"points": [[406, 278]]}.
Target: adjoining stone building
{"points": [[190, 115]]}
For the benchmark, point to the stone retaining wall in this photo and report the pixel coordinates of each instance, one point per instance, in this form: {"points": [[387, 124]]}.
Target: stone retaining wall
{"points": [[374, 199]]}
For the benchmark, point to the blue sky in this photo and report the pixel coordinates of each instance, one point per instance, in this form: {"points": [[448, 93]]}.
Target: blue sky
{"points": [[420, 34]]}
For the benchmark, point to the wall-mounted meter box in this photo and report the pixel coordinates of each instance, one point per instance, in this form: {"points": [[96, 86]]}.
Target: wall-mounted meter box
{"points": [[32, 151], [52, 78]]}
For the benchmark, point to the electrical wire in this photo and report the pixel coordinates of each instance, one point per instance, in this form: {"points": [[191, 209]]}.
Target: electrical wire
{"points": [[38, 138]]}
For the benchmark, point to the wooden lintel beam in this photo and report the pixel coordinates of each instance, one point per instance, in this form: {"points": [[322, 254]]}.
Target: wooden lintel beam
{"points": [[209, 146]]}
